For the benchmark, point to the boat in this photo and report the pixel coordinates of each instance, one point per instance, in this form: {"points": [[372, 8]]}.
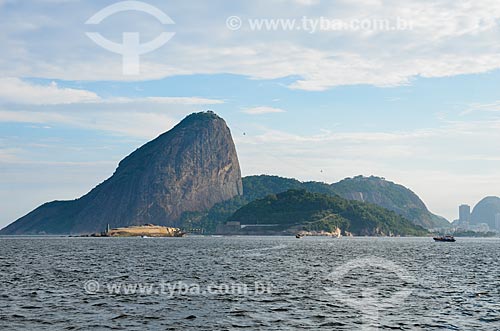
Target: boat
{"points": [[445, 238], [299, 235]]}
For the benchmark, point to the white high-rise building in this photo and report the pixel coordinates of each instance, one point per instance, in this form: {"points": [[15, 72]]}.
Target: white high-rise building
{"points": [[464, 215]]}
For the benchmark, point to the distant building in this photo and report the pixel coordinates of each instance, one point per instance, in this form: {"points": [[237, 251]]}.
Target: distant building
{"points": [[464, 215], [497, 221]]}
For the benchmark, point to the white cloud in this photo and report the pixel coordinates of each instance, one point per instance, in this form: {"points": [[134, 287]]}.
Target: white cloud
{"points": [[262, 110], [132, 124], [144, 117], [17, 91], [168, 100], [14, 90], [482, 107], [449, 37], [307, 2]]}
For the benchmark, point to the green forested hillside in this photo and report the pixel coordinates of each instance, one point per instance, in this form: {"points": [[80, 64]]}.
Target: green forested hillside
{"points": [[366, 189], [391, 196], [320, 212]]}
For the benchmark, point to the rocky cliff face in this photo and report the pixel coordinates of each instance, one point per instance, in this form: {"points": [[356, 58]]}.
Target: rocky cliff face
{"points": [[189, 168], [391, 196]]}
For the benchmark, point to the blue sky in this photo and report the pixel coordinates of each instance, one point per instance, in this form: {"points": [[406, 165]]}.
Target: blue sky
{"points": [[419, 106]]}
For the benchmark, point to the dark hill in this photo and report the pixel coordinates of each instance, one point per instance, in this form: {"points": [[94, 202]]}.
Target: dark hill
{"points": [[189, 168], [299, 209], [366, 189], [485, 211], [391, 196]]}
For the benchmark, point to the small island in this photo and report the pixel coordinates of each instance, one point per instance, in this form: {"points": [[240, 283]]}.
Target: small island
{"points": [[146, 230]]}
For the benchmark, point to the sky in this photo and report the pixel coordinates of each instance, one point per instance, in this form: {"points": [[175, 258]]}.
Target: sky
{"points": [[322, 92]]}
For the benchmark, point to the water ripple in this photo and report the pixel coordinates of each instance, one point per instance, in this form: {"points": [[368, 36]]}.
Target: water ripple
{"points": [[457, 285]]}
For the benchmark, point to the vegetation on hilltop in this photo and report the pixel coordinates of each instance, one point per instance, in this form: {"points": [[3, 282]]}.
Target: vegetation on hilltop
{"points": [[368, 189], [392, 196], [320, 212]]}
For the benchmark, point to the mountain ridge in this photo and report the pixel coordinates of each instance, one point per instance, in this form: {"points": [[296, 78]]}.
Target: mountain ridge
{"points": [[299, 210], [259, 186], [190, 177], [188, 168], [392, 196]]}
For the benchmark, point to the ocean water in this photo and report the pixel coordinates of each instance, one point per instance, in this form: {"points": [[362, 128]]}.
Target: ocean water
{"points": [[254, 283]]}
